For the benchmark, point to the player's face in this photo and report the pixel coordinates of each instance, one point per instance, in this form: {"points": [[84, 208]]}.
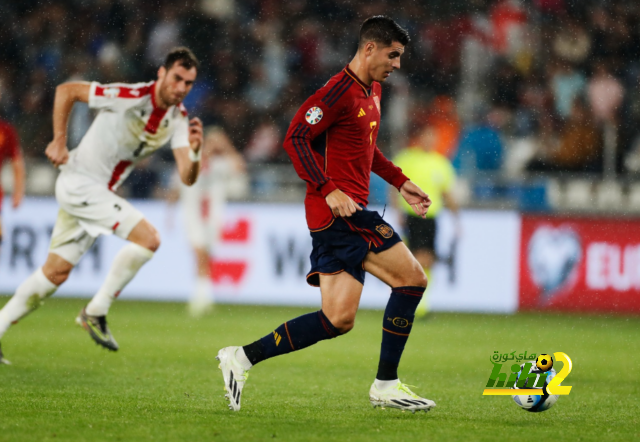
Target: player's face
{"points": [[383, 60], [175, 83]]}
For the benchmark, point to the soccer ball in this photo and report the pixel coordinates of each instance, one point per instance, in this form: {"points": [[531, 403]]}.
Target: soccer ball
{"points": [[544, 362], [536, 403]]}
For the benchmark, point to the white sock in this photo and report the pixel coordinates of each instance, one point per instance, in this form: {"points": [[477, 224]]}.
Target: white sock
{"points": [[203, 289], [383, 385], [125, 266], [241, 357], [28, 297]]}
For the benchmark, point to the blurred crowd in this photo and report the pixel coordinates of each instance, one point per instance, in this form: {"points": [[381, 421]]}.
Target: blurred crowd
{"points": [[507, 85]]}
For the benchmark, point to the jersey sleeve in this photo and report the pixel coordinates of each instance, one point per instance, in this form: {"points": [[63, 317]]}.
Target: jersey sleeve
{"points": [[386, 170], [111, 96], [314, 117], [180, 136]]}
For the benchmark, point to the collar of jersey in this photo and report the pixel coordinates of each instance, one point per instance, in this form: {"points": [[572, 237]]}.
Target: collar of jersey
{"points": [[350, 73], [153, 95]]}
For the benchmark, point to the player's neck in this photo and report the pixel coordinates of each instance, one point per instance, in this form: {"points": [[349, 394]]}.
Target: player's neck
{"points": [[359, 68], [157, 98]]}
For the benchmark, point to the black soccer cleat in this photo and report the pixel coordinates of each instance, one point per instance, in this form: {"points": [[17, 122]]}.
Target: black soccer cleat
{"points": [[2, 359], [98, 329]]}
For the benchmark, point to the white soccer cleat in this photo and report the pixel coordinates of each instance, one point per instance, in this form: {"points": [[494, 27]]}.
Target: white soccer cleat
{"points": [[399, 396], [234, 376]]}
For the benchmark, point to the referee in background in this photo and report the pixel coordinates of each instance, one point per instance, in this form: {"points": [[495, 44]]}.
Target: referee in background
{"points": [[433, 173]]}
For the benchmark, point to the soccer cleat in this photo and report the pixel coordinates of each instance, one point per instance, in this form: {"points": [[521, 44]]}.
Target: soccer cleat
{"points": [[234, 376], [98, 329], [399, 396], [2, 359]]}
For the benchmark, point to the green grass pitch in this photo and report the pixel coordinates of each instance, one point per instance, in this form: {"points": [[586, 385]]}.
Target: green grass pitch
{"points": [[164, 385]]}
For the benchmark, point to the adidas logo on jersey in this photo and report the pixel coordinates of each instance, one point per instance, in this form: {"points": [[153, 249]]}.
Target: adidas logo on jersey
{"points": [[361, 113]]}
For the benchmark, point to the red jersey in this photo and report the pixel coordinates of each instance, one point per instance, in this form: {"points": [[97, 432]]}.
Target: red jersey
{"points": [[9, 146], [332, 144]]}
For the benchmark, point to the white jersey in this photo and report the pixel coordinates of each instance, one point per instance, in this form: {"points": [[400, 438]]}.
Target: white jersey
{"points": [[128, 127]]}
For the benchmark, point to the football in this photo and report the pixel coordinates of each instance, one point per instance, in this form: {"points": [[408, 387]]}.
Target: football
{"points": [[535, 403], [544, 362]]}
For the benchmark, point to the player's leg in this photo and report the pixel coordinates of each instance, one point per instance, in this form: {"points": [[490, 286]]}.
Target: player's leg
{"points": [[398, 268], [422, 234], [340, 298], [31, 293], [144, 240], [69, 242], [201, 301], [426, 258]]}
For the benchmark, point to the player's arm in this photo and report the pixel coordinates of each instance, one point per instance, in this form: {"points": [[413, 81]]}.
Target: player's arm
{"points": [[188, 158], [302, 131], [19, 174], [66, 95]]}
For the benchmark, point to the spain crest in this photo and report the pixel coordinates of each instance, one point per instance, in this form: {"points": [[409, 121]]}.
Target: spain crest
{"points": [[385, 231]]}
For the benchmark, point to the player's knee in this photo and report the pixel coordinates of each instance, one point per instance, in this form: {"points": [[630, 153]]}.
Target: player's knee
{"points": [[344, 323], [57, 272], [417, 277], [151, 241]]}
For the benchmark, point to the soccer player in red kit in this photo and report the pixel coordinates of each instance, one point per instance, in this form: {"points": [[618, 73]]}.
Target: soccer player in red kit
{"points": [[10, 151], [332, 144]]}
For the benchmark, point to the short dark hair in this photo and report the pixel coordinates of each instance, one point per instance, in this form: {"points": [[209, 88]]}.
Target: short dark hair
{"points": [[382, 29], [183, 56]]}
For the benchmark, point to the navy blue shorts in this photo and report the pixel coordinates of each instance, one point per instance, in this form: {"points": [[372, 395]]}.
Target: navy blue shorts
{"points": [[343, 245]]}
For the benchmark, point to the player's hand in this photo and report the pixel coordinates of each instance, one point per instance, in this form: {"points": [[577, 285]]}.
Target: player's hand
{"points": [[57, 152], [416, 198], [195, 134], [340, 204]]}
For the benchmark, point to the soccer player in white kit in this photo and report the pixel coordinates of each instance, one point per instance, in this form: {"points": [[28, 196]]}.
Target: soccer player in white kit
{"points": [[204, 205], [133, 121]]}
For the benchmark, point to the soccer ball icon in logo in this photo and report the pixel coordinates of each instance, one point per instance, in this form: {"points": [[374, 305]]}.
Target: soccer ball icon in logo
{"points": [[544, 362], [535, 403]]}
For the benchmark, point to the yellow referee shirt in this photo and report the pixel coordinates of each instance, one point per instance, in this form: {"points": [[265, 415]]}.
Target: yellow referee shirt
{"points": [[431, 171]]}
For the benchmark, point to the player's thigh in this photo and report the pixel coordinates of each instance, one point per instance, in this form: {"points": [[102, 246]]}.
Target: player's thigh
{"points": [[146, 235], [396, 266], [340, 299], [69, 240], [98, 210]]}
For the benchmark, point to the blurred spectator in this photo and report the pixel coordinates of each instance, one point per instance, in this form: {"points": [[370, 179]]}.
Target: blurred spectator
{"points": [[480, 146], [605, 93], [567, 83], [572, 43], [443, 117], [580, 146]]}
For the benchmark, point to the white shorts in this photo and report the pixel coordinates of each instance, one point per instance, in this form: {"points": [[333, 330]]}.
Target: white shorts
{"points": [[87, 210], [203, 231]]}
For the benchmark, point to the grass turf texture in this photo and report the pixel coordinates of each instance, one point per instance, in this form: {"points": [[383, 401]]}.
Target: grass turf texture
{"points": [[164, 384]]}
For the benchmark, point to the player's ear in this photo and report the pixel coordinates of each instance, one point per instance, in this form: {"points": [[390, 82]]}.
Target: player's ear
{"points": [[162, 72], [369, 47]]}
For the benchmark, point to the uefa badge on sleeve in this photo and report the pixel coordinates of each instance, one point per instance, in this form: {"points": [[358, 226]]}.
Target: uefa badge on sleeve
{"points": [[314, 115]]}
